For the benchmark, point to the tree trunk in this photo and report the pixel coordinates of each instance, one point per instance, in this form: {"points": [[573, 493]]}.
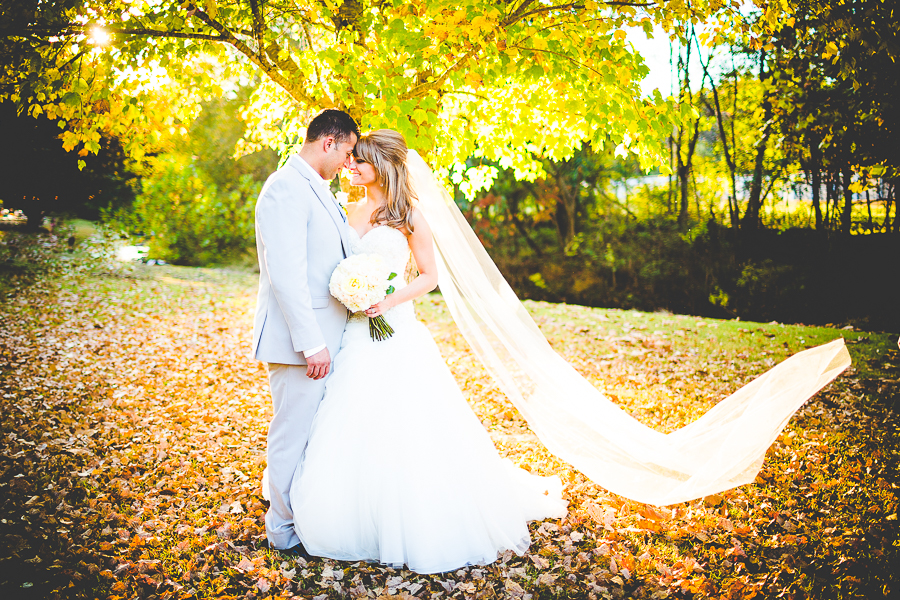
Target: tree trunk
{"points": [[846, 214], [669, 195], [696, 195], [816, 192], [565, 216], [684, 173], [830, 200], [512, 207], [754, 205], [869, 209], [896, 206], [733, 209], [684, 162], [34, 215], [754, 202], [815, 162], [884, 193]]}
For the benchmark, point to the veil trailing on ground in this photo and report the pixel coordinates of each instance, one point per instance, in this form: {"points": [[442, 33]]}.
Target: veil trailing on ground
{"points": [[723, 449]]}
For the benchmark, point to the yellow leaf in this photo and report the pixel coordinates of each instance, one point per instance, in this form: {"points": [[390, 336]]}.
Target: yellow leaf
{"points": [[480, 22], [474, 80]]}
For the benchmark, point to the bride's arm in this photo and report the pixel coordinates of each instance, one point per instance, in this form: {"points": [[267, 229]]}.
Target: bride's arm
{"points": [[422, 247]]}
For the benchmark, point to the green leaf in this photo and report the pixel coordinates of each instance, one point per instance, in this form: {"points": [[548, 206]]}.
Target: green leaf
{"points": [[72, 99]]}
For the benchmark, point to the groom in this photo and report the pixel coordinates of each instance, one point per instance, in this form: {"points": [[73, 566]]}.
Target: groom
{"points": [[301, 236]]}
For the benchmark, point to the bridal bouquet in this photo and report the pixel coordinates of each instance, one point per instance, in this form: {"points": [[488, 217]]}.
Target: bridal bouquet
{"points": [[360, 281]]}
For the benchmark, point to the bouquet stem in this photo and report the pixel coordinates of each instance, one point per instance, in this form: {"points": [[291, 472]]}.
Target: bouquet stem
{"points": [[379, 329]]}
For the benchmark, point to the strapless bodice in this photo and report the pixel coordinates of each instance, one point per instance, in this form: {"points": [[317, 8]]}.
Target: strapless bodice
{"points": [[390, 244], [387, 242]]}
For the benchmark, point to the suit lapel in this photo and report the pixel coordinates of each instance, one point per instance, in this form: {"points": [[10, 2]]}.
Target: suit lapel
{"points": [[328, 202]]}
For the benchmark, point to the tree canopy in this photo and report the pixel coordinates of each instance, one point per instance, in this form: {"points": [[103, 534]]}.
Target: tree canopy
{"points": [[513, 82]]}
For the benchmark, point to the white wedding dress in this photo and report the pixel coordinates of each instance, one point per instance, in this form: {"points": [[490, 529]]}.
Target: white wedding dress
{"points": [[398, 469]]}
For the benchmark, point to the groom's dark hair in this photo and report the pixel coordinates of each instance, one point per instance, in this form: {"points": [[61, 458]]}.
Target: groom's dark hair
{"points": [[331, 123]]}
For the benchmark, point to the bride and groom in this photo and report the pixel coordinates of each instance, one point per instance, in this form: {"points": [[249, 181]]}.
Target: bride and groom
{"points": [[373, 453]]}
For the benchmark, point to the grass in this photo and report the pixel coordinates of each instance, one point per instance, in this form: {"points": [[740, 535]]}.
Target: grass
{"points": [[132, 437], [82, 229]]}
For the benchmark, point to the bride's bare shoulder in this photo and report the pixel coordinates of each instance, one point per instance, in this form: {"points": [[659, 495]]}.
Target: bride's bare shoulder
{"points": [[419, 224], [418, 219]]}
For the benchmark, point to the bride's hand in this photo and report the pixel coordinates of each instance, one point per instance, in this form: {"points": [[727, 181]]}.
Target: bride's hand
{"points": [[380, 308]]}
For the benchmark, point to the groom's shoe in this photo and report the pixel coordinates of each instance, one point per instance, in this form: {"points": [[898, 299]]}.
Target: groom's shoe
{"points": [[298, 550]]}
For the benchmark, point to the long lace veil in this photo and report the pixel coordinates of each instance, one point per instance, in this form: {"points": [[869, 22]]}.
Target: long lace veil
{"points": [[722, 449]]}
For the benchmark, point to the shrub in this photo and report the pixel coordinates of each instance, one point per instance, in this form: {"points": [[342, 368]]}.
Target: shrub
{"points": [[188, 219]]}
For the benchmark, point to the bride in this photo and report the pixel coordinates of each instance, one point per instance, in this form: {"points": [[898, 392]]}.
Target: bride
{"points": [[399, 470]]}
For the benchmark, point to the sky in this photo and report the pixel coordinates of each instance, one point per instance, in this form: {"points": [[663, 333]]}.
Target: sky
{"points": [[656, 55]]}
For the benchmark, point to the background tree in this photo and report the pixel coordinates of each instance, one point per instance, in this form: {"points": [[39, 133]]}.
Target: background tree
{"points": [[196, 199], [684, 141], [539, 99], [837, 103], [512, 82], [39, 177]]}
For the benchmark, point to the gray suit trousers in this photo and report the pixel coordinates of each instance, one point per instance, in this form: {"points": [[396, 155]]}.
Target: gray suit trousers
{"points": [[295, 399]]}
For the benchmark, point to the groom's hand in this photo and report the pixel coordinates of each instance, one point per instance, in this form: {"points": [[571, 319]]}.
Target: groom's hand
{"points": [[318, 365]]}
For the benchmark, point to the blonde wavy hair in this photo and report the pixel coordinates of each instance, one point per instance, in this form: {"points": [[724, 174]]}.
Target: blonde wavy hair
{"points": [[385, 150]]}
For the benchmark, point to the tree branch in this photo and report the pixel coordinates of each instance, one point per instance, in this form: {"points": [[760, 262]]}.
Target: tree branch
{"points": [[468, 93], [518, 8], [258, 27], [223, 35], [561, 55], [729, 159], [71, 29], [582, 65], [512, 209], [437, 83], [262, 63], [614, 200], [516, 16]]}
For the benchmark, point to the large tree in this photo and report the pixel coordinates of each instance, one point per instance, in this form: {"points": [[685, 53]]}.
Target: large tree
{"points": [[513, 81], [39, 177], [837, 69]]}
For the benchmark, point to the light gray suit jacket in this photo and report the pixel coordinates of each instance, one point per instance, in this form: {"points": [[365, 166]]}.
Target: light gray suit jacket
{"points": [[301, 236]]}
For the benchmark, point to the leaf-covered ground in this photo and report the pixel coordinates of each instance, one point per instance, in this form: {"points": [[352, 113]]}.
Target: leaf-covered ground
{"points": [[132, 442]]}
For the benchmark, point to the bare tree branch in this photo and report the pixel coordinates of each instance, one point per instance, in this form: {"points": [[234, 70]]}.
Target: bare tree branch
{"points": [[468, 93], [436, 83], [517, 16], [258, 27], [293, 89], [148, 32]]}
